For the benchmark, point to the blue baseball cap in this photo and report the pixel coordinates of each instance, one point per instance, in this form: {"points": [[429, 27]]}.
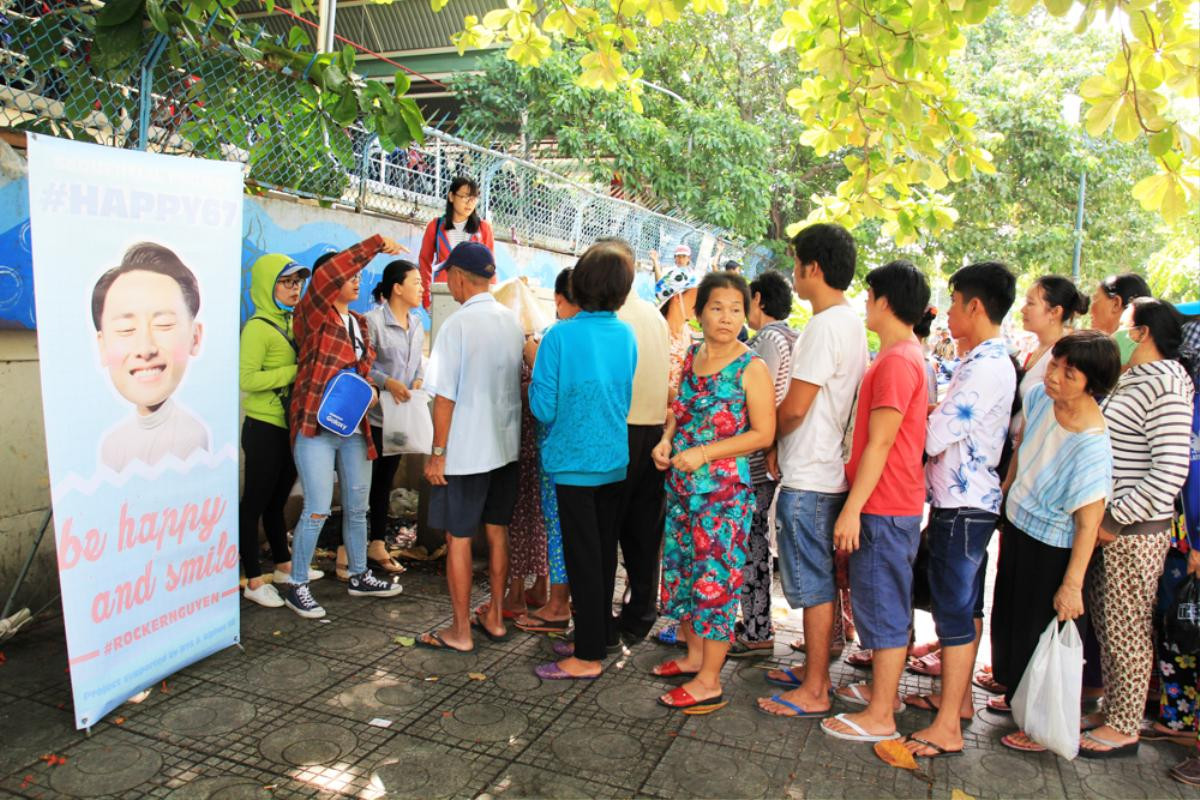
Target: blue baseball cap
{"points": [[472, 257]]}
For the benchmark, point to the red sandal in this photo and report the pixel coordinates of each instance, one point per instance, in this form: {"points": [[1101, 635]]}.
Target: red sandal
{"points": [[682, 700], [670, 669]]}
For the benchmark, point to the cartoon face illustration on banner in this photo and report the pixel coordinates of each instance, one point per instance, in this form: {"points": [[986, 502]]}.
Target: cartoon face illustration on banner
{"points": [[145, 314]]}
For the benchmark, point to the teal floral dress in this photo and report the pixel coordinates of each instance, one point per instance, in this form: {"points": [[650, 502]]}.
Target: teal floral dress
{"points": [[708, 511]]}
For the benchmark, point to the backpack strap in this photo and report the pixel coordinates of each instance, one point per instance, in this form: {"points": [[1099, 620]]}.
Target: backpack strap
{"points": [[282, 332]]}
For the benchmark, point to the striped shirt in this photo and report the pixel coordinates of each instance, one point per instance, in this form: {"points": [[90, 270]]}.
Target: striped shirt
{"points": [[1149, 418], [773, 344], [1058, 472]]}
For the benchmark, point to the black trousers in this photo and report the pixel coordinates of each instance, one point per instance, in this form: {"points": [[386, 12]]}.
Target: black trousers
{"points": [[587, 515], [270, 474], [640, 531], [1027, 577], [383, 473]]}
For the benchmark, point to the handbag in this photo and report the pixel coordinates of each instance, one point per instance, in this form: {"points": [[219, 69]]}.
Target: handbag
{"points": [[1046, 702], [407, 427], [344, 403]]}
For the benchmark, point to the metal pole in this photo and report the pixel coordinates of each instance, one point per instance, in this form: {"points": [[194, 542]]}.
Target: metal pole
{"points": [[325, 27], [1079, 227]]}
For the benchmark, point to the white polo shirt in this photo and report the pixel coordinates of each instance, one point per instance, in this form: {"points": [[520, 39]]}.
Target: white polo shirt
{"points": [[476, 362]]}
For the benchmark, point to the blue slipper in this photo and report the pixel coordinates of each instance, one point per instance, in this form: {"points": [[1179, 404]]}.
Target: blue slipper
{"points": [[800, 712], [791, 682]]}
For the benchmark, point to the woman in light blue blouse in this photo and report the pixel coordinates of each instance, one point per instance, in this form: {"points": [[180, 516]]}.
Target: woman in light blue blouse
{"points": [[1057, 487]]}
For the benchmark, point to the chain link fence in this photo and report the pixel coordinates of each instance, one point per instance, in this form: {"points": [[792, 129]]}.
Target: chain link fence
{"points": [[206, 99]]}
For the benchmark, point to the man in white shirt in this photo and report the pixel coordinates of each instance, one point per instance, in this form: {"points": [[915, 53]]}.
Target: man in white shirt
{"points": [[474, 375], [828, 363], [964, 439]]}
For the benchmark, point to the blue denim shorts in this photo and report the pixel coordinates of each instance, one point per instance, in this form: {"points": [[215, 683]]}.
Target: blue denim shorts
{"points": [[958, 540], [881, 574], [805, 542]]}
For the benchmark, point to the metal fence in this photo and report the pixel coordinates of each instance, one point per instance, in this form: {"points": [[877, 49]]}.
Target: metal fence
{"points": [[208, 100]]}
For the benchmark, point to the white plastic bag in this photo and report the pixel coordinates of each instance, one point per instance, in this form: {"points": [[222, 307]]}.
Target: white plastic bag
{"points": [[407, 427], [1046, 703]]}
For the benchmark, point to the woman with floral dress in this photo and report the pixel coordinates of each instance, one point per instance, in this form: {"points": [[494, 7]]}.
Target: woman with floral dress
{"points": [[725, 410]]}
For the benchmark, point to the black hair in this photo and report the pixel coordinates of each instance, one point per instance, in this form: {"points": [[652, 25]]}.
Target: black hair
{"points": [[562, 284], [1164, 322], [925, 325], [1059, 292], [731, 266], [774, 292], [991, 283], [393, 274], [1127, 286], [321, 259], [832, 247], [721, 280], [148, 257], [472, 224], [603, 277], [904, 286], [1093, 353]]}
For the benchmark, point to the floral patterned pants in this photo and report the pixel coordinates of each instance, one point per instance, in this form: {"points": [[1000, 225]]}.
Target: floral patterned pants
{"points": [[756, 575], [1121, 593], [704, 550]]}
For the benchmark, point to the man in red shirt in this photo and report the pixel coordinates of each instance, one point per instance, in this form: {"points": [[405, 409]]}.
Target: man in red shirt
{"points": [[880, 524]]}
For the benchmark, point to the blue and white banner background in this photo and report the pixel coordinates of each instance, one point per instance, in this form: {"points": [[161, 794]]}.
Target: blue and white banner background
{"points": [[136, 264]]}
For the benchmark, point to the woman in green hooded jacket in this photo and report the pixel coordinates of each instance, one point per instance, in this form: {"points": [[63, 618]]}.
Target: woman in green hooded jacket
{"points": [[267, 368]]}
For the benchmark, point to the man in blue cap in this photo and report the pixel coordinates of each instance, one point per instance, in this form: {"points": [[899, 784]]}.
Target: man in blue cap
{"points": [[474, 375]]}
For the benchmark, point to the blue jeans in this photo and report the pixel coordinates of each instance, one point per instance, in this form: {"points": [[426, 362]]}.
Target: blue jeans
{"points": [[316, 458], [881, 573], [805, 541], [958, 541]]}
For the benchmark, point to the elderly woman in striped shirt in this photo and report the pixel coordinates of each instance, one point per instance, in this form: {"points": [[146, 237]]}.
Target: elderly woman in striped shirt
{"points": [[1149, 418]]}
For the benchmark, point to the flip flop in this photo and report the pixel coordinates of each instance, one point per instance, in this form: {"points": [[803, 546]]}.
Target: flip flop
{"points": [[855, 698], [834, 652], [670, 669], [792, 681], [860, 659], [743, 649], [682, 700], [939, 751], [1115, 750], [984, 680], [1027, 746], [553, 672], [860, 734], [1149, 733], [436, 642], [997, 705], [503, 637], [544, 625], [801, 713], [483, 608], [929, 664], [925, 703]]}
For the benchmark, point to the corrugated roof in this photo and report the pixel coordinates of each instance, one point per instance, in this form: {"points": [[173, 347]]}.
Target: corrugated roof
{"points": [[401, 26]]}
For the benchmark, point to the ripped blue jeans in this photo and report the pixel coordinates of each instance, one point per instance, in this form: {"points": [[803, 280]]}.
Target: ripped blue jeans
{"points": [[316, 459]]}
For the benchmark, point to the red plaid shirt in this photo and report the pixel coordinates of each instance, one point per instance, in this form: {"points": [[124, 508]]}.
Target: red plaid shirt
{"points": [[325, 346]]}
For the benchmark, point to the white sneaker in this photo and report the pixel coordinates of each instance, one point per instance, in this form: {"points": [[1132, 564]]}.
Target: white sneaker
{"points": [[265, 595], [314, 574]]}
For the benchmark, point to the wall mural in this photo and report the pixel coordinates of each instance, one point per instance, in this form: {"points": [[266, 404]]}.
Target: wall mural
{"points": [[269, 226]]}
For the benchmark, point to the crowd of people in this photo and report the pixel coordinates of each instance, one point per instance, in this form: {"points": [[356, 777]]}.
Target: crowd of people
{"points": [[653, 435]]}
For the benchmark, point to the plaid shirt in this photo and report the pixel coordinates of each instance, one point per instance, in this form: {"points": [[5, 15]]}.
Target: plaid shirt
{"points": [[325, 346]]}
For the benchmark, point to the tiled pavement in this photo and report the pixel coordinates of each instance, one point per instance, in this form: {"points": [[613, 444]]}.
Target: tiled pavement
{"points": [[290, 717]]}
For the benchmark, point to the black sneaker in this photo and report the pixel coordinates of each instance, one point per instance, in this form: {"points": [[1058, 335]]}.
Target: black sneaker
{"points": [[365, 584], [299, 599]]}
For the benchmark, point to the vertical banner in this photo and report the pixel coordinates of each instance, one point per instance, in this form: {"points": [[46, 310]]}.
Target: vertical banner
{"points": [[136, 281]]}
